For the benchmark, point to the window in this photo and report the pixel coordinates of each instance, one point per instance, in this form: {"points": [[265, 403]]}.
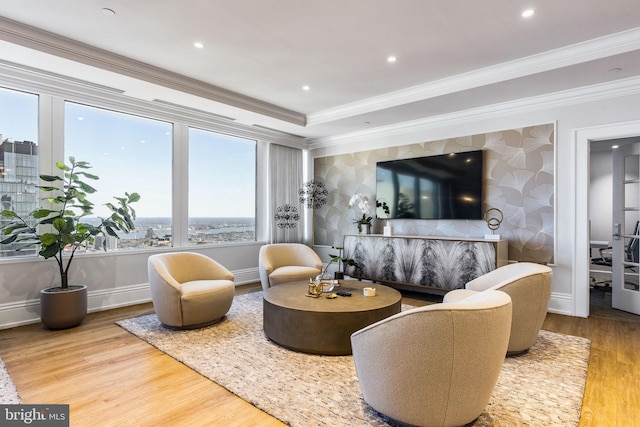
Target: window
{"points": [[129, 154], [18, 157], [222, 188], [132, 153]]}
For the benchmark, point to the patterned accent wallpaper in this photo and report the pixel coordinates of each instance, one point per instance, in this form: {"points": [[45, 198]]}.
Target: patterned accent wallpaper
{"points": [[518, 180]]}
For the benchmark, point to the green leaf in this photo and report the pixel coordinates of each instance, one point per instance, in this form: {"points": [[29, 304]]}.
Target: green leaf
{"points": [[9, 214], [48, 239], [121, 200], [50, 178], [49, 251], [48, 221], [59, 224], [111, 232], [18, 228], [54, 200], [83, 165], [9, 239], [62, 166], [46, 188], [62, 227], [86, 187], [42, 213], [88, 175]]}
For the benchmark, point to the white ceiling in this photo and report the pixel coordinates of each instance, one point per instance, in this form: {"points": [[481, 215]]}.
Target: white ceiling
{"points": [[452, 55]]}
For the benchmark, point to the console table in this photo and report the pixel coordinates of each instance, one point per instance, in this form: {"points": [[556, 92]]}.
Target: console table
{"points": [[423, 263]]}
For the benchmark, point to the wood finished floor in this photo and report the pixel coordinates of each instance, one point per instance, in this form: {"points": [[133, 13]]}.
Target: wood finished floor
{"points": [[111, 378]]}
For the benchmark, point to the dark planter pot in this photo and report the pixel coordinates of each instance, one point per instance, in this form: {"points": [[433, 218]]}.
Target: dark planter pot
{"points": [[63, 309]]}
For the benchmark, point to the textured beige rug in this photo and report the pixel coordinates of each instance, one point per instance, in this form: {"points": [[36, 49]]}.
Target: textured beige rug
{"points": [[541, 388], [8, 392]]}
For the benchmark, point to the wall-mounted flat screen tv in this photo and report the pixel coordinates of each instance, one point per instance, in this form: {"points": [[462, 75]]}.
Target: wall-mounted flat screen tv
{"points": [[446, 186]]}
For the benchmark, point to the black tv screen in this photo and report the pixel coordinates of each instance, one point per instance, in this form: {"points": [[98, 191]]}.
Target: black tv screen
{"points": [[446, 186]]}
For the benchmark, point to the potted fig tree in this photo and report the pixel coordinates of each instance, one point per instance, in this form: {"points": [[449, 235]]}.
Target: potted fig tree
{"points": [[60, 227]]}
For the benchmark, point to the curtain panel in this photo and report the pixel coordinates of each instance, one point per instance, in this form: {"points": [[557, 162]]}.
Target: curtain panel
{"points": [[285, 179]]}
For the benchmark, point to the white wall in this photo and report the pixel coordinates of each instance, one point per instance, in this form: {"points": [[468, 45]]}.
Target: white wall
{"points": [[114, 279], [120, 279], [572, 111]]}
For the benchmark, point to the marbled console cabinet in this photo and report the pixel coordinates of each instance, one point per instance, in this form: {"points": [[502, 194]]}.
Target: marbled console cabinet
{"points": [[422, 263]]}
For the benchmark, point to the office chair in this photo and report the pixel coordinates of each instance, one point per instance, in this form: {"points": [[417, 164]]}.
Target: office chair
{"points": [[632, 254]]}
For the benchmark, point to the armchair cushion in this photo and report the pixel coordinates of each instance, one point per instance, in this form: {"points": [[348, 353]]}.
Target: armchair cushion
{"points": [[189, 289], [287, 262], [529, 286], [435, 365]]}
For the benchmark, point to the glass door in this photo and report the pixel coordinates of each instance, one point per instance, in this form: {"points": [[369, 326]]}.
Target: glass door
{"points": [[626, 220]]}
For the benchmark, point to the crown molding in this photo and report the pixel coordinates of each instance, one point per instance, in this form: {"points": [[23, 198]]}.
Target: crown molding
{"points": [[23, 78], [570, 55], [603, 91], [43, 41]]}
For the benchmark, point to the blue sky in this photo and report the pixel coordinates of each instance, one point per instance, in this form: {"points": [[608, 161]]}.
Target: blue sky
{"points": [[134, 154]]}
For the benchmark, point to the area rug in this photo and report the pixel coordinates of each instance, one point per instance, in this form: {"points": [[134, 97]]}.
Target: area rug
{"points": [[8, 392], [540, 388]]}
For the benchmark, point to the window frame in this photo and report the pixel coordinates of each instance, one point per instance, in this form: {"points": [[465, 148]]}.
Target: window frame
{"points": [[53, 93]]}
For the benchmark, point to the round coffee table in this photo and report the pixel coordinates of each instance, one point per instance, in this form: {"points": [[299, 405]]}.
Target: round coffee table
{"points": [[322, 325]]}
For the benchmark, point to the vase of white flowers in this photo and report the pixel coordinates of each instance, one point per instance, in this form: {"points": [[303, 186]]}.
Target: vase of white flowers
{"points": [[362, 202]]}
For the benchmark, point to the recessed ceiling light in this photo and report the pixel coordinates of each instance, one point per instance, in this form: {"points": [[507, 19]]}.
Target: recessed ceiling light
{"points": [[198, 45], [528, 13], [306, 87], [392, 59], [107, 11], [615, 146]]}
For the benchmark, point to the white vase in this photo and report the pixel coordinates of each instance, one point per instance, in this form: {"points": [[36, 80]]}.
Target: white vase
{"points": [[364, 228]]}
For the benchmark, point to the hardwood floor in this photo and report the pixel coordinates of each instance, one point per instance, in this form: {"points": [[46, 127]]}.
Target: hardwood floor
{"points": [[111, 378]]}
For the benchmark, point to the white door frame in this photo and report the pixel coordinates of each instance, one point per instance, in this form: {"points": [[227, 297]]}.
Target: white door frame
{"points": [[582, 138]]}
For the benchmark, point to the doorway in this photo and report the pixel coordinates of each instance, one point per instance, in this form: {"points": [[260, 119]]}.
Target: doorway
{"points": [[603, 285]]}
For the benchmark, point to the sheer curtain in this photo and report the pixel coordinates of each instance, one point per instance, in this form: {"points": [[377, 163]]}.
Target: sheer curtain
{"points": [[285, 179]]}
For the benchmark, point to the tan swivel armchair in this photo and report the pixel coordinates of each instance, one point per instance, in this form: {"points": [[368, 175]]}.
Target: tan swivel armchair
{"points": [[188, 289], [529, 286], [287, 262], [437, 364]]}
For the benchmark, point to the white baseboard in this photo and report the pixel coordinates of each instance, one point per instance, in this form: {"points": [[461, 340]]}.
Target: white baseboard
{"points": [[27, 312], [561, 304]]}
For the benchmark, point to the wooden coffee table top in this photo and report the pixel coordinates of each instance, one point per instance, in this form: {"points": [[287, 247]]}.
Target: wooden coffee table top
{"points": [[292, 296]]}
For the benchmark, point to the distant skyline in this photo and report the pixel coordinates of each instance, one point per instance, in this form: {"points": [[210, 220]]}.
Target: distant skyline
{"points": [[134, 154]]}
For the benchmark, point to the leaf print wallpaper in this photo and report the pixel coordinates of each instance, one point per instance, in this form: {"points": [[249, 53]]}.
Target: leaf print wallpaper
{"points": [[518, 180]]}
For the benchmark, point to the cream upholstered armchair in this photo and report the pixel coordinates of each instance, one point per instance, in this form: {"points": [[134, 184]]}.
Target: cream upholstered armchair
{"points": [[437, 364], [287, 262], [189, 289], [529, 286]]}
